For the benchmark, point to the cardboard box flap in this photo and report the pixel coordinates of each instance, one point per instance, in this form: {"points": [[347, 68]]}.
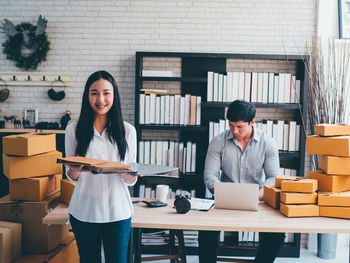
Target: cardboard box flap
{"points": [[79, 160], [31, 134], [326, 129]]}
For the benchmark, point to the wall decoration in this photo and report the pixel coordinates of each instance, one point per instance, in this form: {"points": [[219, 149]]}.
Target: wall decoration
{"points": [[27, 44], [57, 95], [32, 116], [4, 92], [344, 18]]}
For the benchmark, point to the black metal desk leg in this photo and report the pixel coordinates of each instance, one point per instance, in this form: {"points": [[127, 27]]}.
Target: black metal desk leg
{"points": [[137, 245]]}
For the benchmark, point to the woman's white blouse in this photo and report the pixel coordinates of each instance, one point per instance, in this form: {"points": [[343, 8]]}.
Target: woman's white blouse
{"points": [[101, 198]]}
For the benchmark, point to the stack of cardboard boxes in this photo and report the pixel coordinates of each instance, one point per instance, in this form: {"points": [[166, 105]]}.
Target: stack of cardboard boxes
{"points": [[29, 161], [297, 197], [294, 196], [332, 144]]}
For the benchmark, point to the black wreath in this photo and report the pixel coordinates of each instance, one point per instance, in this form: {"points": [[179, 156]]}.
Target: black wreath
{"points": [[13, 47]]}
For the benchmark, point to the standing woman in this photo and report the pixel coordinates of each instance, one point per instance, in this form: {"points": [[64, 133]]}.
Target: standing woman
{"points": [[101, 208]]}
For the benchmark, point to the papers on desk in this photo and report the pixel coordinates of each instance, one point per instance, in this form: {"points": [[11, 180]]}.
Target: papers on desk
{"points": [[156, 170], [201, 204]]}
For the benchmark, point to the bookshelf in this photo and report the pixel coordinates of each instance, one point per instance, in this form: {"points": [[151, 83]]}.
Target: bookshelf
{"points": [[190, 76]]}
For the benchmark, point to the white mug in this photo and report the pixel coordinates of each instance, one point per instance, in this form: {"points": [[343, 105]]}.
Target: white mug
{"points": [[162, 191]]}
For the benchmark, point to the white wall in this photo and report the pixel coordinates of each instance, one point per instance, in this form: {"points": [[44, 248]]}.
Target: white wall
{"points": [[327, 19], [91, 35]]}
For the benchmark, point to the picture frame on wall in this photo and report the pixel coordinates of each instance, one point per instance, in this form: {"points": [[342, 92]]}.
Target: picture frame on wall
{"points": [[344, 18], [31, 115]]}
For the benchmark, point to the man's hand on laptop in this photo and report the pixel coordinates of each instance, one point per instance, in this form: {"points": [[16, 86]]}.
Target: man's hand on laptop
{"points": [[261, 193]]}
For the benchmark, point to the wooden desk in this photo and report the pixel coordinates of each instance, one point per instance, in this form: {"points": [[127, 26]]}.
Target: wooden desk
{"points": [[265, 219]]}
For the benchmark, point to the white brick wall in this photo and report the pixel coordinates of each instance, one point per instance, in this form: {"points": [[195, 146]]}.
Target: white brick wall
{"points": [[91, 35]]}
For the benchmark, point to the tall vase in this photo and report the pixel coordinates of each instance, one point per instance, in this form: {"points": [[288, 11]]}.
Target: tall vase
{"points": [[327, 245]]}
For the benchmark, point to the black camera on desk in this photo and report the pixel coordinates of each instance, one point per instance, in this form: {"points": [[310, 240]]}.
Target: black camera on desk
{"points": [[182, 204]]}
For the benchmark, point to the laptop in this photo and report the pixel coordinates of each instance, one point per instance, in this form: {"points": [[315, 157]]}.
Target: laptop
{"points": [[236, 196]]}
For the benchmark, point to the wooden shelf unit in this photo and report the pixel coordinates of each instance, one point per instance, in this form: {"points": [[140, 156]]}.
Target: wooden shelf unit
{"points": [[193, 80]]}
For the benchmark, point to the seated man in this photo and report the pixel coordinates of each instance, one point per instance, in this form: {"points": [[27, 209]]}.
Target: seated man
{"points": [[245, 155]]}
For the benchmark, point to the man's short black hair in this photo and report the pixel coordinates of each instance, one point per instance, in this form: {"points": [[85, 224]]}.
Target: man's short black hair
{"points": [[240, 110]]}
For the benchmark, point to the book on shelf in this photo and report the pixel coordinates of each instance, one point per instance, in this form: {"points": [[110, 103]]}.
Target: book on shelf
{"points": [[142, 108], [275, 88], [220, 87], [210, 86], [154, 91], [254, 88], [247, 86], [216, 87], [157, 73], [265, 91], [271, 87]]}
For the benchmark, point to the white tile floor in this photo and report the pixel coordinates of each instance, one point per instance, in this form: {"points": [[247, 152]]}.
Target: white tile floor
{"points": [[306, 256]]}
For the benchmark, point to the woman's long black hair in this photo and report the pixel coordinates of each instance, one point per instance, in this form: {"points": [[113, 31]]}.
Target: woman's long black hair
{"points": [[115, 125]]}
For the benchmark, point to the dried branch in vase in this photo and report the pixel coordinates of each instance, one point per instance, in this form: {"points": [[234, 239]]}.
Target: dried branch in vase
{"points": [[329, 81]]}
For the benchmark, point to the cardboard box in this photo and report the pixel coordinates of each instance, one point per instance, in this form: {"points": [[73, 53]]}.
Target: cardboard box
{"points": [[36, 188], [272, 196], [330, 183], [325, 129], [32, 166], [334, 199], [37, 237], [339, 212], [10, 241], [337, 146], [280, 178], [28, 144], [299, 210], [298, 198], [300, 185], [67, 252], [334, 165], [67, 189]]}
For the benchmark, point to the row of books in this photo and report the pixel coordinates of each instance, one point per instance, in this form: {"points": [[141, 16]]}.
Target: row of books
{"points": [[149, 192], [162, 238], [170, 109], [288, 171], [169, 153], [285, 133], [249, 237], [259, 87]]}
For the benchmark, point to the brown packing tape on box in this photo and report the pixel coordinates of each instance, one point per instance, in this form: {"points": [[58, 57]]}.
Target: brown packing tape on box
{"points": [[10, 241], [67, 252], [334, 199], [28, 144], [334, 165], [301, 185], [330, 183], [272, 196], [32, 166], [299, 210], [338, 212], [337, 146], [67, 189], [280, 178], [36, 188], [325, 129], [36, 237], [298, 198]]}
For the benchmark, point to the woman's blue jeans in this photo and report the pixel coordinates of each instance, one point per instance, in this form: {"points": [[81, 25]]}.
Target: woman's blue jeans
{"points": [[115, 237]]}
